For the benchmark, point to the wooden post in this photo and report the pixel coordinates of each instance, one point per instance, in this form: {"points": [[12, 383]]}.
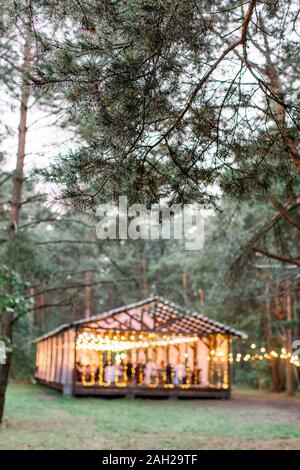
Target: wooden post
{"points": [[74, 363], [229, 351], [195, 366], [68, 362]]}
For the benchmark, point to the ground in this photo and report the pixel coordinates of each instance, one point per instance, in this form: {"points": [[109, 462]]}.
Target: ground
{"points": [[39, 418]]}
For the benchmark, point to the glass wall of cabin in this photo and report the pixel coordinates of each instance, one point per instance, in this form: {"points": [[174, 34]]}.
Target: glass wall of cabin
{"points": [[112, 358], [55, 359]]}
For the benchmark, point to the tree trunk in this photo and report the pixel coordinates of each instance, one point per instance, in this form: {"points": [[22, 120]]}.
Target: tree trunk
{"points": [[6, 331], [277, 376], [88, 275], [40, 313], [185, 285], [145, 278], [268, 339], [290, 382], [279, 111], [19, 171], [202, 298]]}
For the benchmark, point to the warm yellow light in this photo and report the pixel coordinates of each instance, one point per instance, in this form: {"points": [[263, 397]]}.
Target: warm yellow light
{"points": [[98, 343], [253, 346]]}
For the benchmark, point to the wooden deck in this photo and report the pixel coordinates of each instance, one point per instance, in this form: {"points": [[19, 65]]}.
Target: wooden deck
{"points": [[136, 391]]}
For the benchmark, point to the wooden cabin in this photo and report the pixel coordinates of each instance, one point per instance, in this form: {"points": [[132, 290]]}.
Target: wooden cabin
{"points": [[150, 348]]}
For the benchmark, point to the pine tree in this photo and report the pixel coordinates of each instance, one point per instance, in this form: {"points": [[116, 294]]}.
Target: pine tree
{"points": [[174, 99]]}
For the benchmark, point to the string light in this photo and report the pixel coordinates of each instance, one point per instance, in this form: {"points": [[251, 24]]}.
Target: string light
{"points": [[293, 359], [91, 342], [219, 356]]}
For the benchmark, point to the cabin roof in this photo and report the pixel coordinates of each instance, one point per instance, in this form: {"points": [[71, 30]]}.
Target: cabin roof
{"points": [[152, 314]]}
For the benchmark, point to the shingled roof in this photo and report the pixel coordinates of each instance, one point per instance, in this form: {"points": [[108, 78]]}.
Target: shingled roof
{"points": [[153, 314]]}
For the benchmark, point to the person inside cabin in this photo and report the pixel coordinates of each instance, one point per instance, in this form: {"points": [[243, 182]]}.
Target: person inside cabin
{"points": [[120, 372], [169, 370], [129, 371], [150, 373], [88, 372], [110, 372], [78, 371], [161, 372], [97, 374], [106, 374], [180, 374], [139, 373]]}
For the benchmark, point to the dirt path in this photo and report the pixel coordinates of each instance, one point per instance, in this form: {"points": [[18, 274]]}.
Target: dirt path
{"points": [[266, 399]]}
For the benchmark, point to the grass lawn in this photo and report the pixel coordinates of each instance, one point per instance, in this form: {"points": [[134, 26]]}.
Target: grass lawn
{"points": [[39, 418]]}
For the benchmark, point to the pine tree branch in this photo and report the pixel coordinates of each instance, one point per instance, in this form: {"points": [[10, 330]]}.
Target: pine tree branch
{"points": [[284, 212], [284, 259]]}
